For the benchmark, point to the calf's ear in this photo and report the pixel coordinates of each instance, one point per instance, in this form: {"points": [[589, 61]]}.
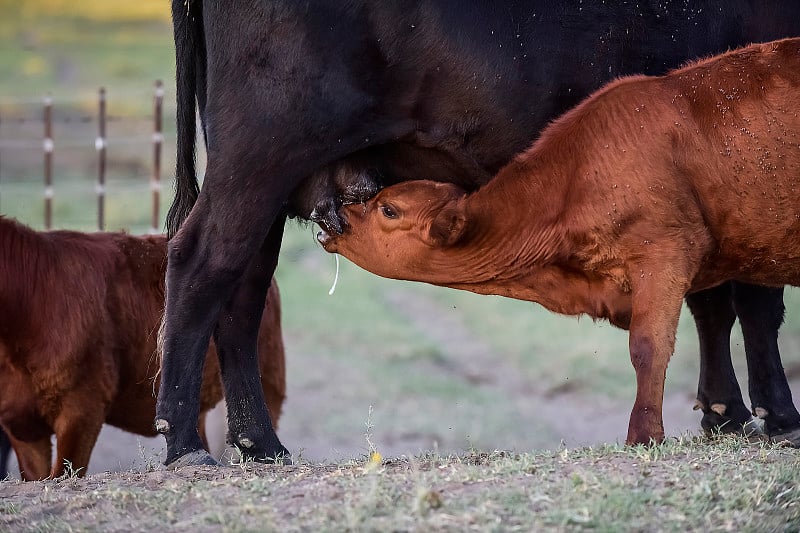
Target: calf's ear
{"points": [[448, 226]]}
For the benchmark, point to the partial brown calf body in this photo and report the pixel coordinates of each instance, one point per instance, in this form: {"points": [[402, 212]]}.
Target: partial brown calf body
{"points": [[79, 318], [652, 188]]}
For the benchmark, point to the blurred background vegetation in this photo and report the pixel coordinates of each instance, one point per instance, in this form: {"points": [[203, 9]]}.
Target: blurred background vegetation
{"points": [[439, 368]]}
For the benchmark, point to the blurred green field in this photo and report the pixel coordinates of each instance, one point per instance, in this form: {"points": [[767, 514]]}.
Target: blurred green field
{"points": [[439, 367], [58, 46]]}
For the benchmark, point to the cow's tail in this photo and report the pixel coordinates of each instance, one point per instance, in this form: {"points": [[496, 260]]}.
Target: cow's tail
{"points": [[187, 21]]}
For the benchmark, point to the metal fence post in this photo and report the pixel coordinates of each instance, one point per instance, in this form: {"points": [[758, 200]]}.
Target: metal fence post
{"points": [[158, 140], [48, 162], [100, 146]]}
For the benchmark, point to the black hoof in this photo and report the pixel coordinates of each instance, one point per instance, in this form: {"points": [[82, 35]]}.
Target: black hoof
{"points": [[789, 438], [195, 458], [279, 457], [714, 424]]}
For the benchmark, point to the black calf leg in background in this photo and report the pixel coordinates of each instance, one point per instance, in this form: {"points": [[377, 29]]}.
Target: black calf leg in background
{"points": [[718, 392], [760, 311]]}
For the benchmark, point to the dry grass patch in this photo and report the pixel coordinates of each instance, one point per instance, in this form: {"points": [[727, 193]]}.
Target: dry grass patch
{"points": [[682, 485]]}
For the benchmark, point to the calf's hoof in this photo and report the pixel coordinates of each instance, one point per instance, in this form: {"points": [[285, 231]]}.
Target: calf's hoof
{"points": [[645, 427], [195, 458], [644, 438]]}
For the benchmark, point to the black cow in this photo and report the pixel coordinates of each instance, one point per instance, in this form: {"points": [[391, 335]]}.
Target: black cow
{"points": [[290, 91]]}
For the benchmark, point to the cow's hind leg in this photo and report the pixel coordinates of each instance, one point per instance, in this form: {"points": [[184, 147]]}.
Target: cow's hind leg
{"points": [[236, 336], [207, 260], [718, 392], [760, 311]]}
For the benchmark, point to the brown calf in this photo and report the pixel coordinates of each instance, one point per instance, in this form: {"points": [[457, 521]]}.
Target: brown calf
{"points": [[652, 188], [79, 318]]}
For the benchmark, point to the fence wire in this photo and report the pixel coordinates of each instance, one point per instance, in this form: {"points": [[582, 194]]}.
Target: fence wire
{"points": [[27, 127]]}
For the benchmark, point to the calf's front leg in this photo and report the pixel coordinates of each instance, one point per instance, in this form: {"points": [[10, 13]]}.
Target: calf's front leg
{"points": [[656, 309]]}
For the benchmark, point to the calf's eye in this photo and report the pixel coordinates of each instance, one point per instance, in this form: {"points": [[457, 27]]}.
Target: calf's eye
{"points": [[388, 211]]}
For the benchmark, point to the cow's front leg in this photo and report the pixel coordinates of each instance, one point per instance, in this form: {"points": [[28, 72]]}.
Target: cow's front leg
{"points": [[656, 306], [236, 335], [760, 311]]}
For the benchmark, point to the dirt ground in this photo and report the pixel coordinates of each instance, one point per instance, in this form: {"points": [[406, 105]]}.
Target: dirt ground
{"points": [[579, 421], [682, 485]]}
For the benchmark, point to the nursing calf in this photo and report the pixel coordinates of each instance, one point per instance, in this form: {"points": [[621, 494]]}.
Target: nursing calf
{"points": [[80, 316], [650, 189]]}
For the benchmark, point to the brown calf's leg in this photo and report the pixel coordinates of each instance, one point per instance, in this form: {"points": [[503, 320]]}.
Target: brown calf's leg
{"points": [[76, 433], [273, 361], [654, 320], [33, 458]]}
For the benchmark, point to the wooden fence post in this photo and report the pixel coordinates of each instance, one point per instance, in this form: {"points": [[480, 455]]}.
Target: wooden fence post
{"points": [[100, 146], [48, 162], [158, 140]]}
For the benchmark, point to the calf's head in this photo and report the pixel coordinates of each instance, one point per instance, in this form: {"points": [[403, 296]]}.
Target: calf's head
{"points": [[407, 231]]}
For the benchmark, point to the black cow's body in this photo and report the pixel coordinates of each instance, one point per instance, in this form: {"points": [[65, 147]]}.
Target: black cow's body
{"points": [[447, 90]]}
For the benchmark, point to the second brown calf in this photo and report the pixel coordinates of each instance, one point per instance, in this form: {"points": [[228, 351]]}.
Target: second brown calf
{"points": [[79, 318], [652, 188]]}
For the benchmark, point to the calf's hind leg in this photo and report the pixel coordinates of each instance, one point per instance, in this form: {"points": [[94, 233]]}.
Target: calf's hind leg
{"points": [[718, 392], [76, 429], [33, 457]]}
